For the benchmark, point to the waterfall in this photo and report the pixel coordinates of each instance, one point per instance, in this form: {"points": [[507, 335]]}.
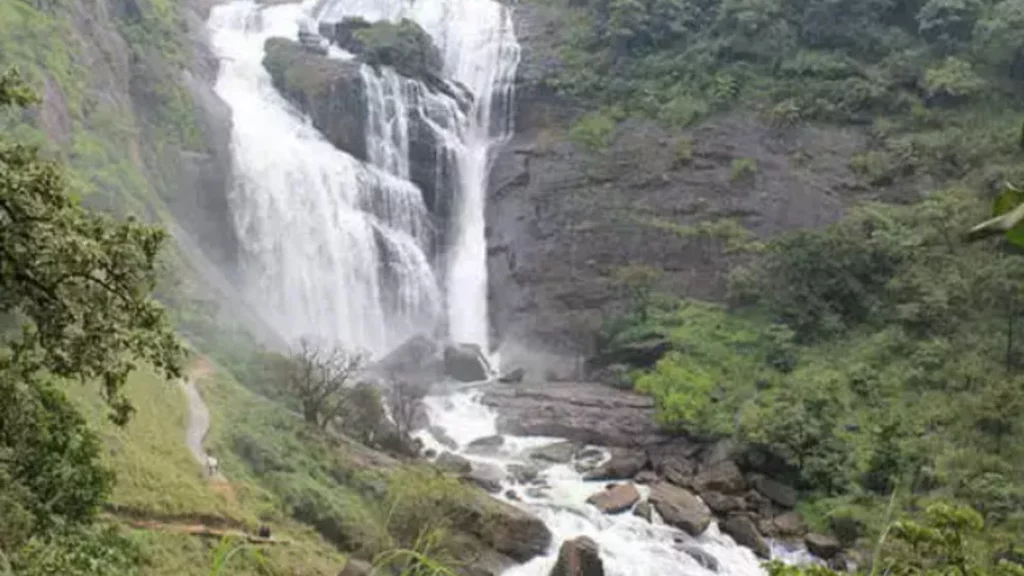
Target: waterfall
{"points": [[332, 249], [480, 52]]}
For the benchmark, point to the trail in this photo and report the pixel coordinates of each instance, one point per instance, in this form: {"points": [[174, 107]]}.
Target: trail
{"points": [[198, 416]]}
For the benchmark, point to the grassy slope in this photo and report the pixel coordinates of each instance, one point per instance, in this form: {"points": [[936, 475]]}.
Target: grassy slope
{"points": [[157, 477]]}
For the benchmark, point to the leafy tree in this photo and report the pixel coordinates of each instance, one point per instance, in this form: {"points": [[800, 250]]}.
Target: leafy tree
{"points": [[948, 23], [81, 280], [320, 378], [638, 282]]}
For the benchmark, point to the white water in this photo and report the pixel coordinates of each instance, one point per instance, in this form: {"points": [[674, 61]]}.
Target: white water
{"points": [[332, 249], [479, 50]]}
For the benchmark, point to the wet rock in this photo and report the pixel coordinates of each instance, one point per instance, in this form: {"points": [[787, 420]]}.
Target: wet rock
{"points": [[723, 504], [680, 472], [465, 363], [442, 437], [523, 473], [616, 499], [723, 476], [644, 510], [781, 494], [487, 476], [508, 529], [789, 524], [703, 557], [578, 557], [759, 504], [513, 377], [744, 532], [453, 463], [512, 495], [356, 567], [429, 453], [587, 413], [557, 453], [720, 451], [538, 491], [680, 508], [622, 465], [486, 445], [416, 358], [822, 546]]}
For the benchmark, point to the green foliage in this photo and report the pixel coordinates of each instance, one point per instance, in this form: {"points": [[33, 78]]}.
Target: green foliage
{"points": [[404, 46], [953, 79], [638, 283], [742, 169], [594, 131]]}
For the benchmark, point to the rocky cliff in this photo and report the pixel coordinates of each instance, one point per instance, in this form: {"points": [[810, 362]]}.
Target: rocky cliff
{"points": [[128, 103], [563, 218]]}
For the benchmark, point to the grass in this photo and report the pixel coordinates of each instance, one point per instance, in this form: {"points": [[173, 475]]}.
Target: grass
{"points": [[158, 478]]}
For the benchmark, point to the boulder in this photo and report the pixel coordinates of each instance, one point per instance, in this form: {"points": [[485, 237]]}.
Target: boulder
{"points": [[523, 473], [623, 464], [744, 532], [679, 508], [723, 504], [507, 529], [822, 546], [356, 568], [643, 353], [703, 557], [486, 445], [453, 463], [557, 453], [717, 453], [723, 476], [679, 471], [465, 363], [441, 435], [487, 476], [615, 500], [789, 524], [644, 510], [781, 494], [512, 495], [417, 356], [513, 377], [578, 557], [759, 504]]}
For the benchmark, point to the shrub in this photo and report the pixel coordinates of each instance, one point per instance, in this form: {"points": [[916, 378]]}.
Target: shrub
{"points": [[594, 131], [742, 168]]}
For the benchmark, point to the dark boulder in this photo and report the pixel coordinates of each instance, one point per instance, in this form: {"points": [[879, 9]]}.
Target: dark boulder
{"points": [[507, 529], [523, 473], [465, 363], [557, 453], [644, 510], [623, 465], [486, 476], [789, 524], [616, 499], [486, 445], [744, 532], [781, 494], [723, 476], [723, 504], [822, 546], [416, 356], [578, 557], [679, 508]]}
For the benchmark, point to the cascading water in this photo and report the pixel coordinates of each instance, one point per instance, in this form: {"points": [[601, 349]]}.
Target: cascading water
{"points": [[332, 249], [336, 249], [480, 52]]}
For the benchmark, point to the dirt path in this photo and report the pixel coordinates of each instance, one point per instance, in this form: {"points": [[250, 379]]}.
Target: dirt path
{"points": [[198, 415]]}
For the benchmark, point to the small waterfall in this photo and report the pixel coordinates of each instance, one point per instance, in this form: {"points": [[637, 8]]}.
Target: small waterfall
{"points": [[331, 248]]}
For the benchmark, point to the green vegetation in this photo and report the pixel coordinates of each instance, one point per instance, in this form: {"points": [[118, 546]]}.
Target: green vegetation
{"points": [[404, 46], [881, 351], [742, 169]]}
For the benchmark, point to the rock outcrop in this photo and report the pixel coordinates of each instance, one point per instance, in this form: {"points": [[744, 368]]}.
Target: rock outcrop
{"points": [[745, 533], [822, 546], [578, 557], [582, 412], [562, 219], [465, 363]]}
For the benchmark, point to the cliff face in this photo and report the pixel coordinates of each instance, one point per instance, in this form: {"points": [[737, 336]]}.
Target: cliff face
{"points": [[563, 219], [129, 105]]}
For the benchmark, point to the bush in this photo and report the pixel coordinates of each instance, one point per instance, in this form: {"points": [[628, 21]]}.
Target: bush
{"points": [[742, 168], [594, 132]]}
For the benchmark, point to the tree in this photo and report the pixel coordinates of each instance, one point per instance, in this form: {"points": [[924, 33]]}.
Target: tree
{"points": [[81, 280], [319, 379], [638, 281], [404, 402]]}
